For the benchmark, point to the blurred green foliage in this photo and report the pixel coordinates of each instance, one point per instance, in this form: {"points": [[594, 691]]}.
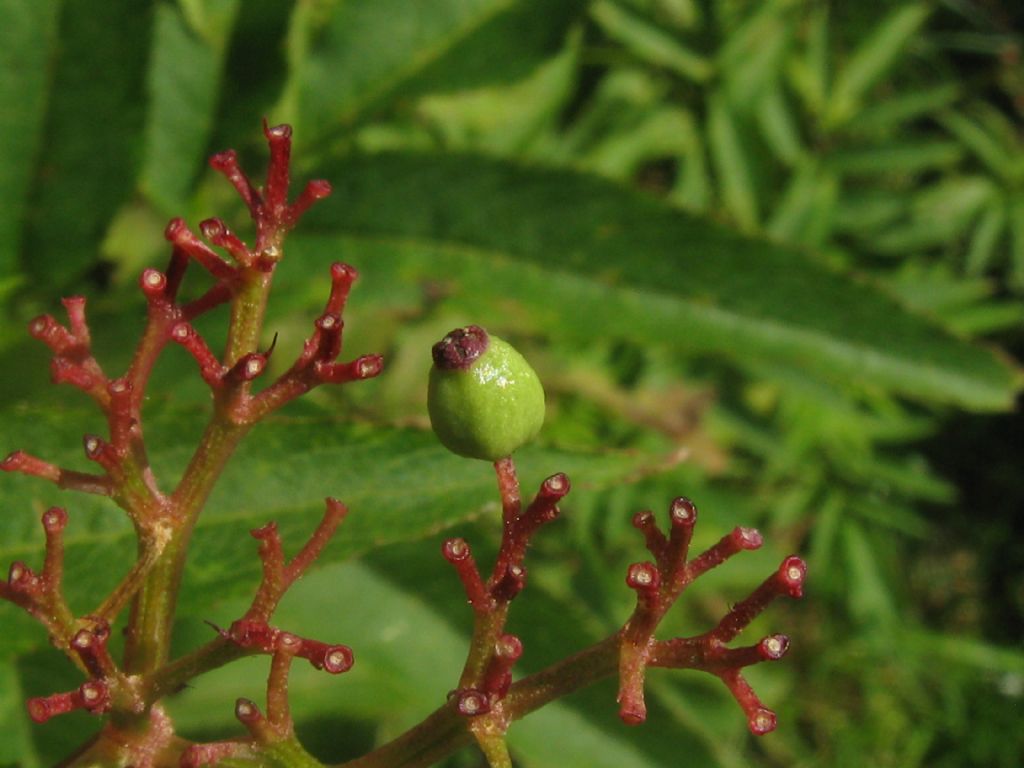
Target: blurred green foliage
{"points": [[766, 254]]}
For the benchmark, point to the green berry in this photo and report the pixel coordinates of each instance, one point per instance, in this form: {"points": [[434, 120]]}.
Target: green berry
{"points": [[484, 398]]}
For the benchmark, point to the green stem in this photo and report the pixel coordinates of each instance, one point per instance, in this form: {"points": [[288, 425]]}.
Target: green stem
{"points": [[173, 676], [445, 730], [149, 631], [487, 628]]}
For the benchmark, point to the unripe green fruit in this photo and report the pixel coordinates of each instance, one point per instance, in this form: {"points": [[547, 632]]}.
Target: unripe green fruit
{"points": [[484, 399]]}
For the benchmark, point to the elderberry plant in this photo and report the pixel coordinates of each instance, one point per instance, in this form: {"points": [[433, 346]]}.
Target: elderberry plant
{"points": [[485, 400]]}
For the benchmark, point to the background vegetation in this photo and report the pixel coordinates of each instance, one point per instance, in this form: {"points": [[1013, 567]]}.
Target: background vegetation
{"points": [[766, 254]]}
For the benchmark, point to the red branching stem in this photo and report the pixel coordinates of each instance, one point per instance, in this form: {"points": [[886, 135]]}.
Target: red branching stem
{"points": [[91, 647], [760, 719], [787, 580], [153, 283], [128, 587], [364, 367], [278, 576], [645, 580], [19, 461], [334, 513], [59, 339], [508, 487], [247, 368], [278, 711], [249, 715], [103, 453], [632, 671], [279, 139], [315, 190], [342, 278], [21, 587], [637, 641], [487, 673], [471, 702], [217, 232], [75, 307], [458, 553], [184, 239], [63, 371], [40, 594], [72, 362], [253, 635], [736, 541], [504, 586], [226, 163], [333, 659], [543, 509], [659, 584], [210, 367], [256, 635], [54, 520], [706, 653], [272, 584], [214, 297], [498, 678], [93, 696], [198, 755], [316, 364], [123, 416], [653, 537], [682, 515], [175, 273]]}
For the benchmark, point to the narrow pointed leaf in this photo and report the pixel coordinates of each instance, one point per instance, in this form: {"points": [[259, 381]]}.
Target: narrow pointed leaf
{"points": [[571, 255], [398, 485], [368, 52], [16, 747], [183, 81], [87, 163], [874, 58], [27, 40]]}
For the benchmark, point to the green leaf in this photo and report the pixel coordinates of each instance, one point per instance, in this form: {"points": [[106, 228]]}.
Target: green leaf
{"points": [[896, 157], [649, 43], [990, 228], [752, 59], [398, 484], [16, 748], [27, 41], [185, 72], [574, 256], [504, 118], [1016, 215], [870, 599], [407, 657], [732, 165], [779, 125], [87, 164], [809, 74], [367, 53], [873, 59], [997, 158], [804, 214], [661, 133], [900, 108], [968, 652]]}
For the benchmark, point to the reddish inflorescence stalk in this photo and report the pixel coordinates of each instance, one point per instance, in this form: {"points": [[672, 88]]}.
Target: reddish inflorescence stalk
{"points": [[659, 584], [486, 681], [164, 520], [487, 674], [485, 700]]}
